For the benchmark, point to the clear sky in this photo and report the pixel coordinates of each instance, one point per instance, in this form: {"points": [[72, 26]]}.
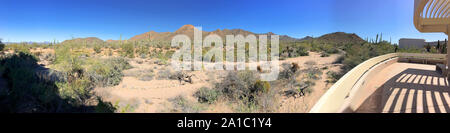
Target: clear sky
{"points": [[46, 20]]}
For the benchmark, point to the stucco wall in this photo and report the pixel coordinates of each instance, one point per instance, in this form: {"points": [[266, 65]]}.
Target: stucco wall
{"points": [[411, 43]]}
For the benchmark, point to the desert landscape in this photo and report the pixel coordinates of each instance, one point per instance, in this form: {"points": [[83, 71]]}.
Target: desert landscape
{"points": [[135, 75]]}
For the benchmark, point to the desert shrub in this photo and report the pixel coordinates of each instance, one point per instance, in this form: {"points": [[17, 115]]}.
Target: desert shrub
{"points": [[66, 58], [333, 77], [76, 87], [237, 85], [411, 50], [108, 72], [245, 105], [104, 107], [49, 57], [181, 104], [97, 48], [142, 50], [324, 54], [313, 73], [22, 47], [77, 90], [260, 87], [206, 95], [26, 93], [29, 92], [302, 51], [84, 73], [292, 51], [164, 74], [329, 49], [289, 71], [127, 49], [146, 77], [246, 90], [339, 60], [268, 101], [167, 74], [141, 74]]}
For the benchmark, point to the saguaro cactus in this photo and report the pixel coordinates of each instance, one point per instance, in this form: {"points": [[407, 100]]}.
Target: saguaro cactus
{"points": [[376, 39]]}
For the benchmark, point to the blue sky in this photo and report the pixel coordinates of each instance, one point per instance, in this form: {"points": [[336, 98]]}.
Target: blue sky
{"points": [[46, 20]]}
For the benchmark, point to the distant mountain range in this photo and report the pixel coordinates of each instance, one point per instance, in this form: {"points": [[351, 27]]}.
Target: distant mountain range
{"points": [[337, 37]]}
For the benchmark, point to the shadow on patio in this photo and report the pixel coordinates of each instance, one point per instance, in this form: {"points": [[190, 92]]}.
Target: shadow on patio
{"points": [[411, 91]]}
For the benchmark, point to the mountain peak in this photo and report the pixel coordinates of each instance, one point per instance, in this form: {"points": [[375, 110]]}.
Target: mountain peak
{"points": [[84, 40], [188, 26], [185, 28], [341, 38]]}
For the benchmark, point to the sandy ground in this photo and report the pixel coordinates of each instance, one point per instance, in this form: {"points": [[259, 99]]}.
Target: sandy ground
{"points": [[154, 95]]}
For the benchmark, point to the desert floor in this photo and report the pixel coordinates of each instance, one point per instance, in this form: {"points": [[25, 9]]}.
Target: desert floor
{"points": [[153, 95]]}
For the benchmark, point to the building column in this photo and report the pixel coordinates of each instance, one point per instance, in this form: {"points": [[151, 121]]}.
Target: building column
{"points": [[448, 53]]}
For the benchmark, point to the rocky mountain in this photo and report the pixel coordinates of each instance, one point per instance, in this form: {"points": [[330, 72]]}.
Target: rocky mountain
{"points": [[341, 38], [189, 31], [335, 38], [87, 40]]}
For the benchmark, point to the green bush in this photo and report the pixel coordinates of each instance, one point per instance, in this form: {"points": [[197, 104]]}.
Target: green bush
{"points": [[181, 104], [97, 48], [22, 47], [313, 73], [142, 50], [108, 72], [302, 51], [26, 92], [206, 95], [127, 50], [248, 92], [261, 87], [237, 85], [76, 90]]}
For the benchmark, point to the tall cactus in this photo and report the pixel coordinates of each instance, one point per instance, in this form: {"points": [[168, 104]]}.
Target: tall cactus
{"points": [[381, 37], [390, 40], [438, 47], [376, 39], [444, 47]]}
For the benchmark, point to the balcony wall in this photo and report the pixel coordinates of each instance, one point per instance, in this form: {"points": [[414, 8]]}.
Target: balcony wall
{"points": [[349, 92]]}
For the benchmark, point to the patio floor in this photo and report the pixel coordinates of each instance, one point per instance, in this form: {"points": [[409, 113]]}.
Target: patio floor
{"points": [[408, 88]]}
